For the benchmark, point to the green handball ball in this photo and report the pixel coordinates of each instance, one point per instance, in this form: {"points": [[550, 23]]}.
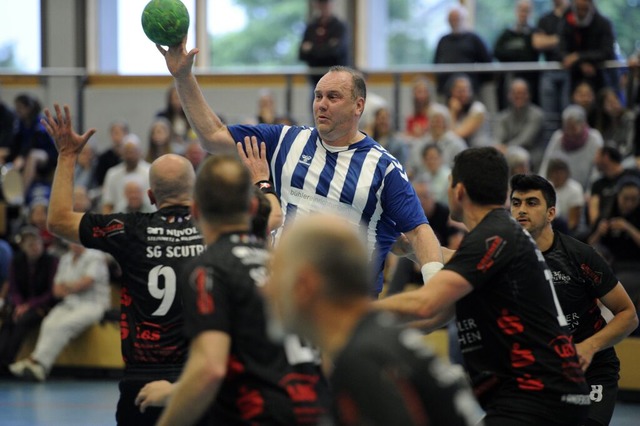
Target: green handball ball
{"points": [[165, 22]]}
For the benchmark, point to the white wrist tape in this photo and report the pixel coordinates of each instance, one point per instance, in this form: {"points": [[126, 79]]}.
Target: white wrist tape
{"points": [[429, 270]]}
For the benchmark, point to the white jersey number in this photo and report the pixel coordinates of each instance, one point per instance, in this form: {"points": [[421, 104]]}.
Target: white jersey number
{"points": [[167, 293]]}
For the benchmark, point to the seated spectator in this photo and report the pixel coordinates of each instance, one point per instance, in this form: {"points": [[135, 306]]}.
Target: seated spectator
{"points": [[439, 134], [521, 123], [614, 122], [570, 196], [608, 162], [113, 199], [160, 141], [32, 149], [417, 123], [577, 142], [617, 235], [518, 160], [84, 174], [81, 200], [37, 218], [81, 284], [515, 44], [112, 156], [384, 133], [584, 96], [436, 172], [467, 114], [8, 124], [30, 292], [373, 103], [195, 153], [135, 196], [6, 256], [266, 107], [180, 127]]}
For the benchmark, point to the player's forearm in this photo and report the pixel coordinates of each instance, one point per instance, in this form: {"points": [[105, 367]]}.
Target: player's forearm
{"points": [[410, 304], [60, 218], [622, 324], [203, 120], [425, 243]]}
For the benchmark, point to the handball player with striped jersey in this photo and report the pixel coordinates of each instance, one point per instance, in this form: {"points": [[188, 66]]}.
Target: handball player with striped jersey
{"points": [[332, 168], [513, 335], [581, 278], [150, 248]]}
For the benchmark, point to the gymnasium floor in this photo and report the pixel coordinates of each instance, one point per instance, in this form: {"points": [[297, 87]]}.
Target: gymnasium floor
{"points": [[92, 402]]}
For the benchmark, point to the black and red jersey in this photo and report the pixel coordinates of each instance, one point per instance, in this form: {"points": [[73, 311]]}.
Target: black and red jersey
{"points": [[266, 383], [151, 248], [386, 375], [580, 277], [511, 328]]}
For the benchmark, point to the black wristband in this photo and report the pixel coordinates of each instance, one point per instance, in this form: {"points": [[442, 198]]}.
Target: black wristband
{"points": [[266, 187]]}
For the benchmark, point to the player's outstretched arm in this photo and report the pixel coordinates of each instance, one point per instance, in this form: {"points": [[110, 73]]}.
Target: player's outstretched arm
{"points": [[61, 219], [206, 123]]}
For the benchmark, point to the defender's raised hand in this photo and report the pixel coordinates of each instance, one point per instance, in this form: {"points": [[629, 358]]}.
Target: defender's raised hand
{"points": [[179, 61], [61, 130]]}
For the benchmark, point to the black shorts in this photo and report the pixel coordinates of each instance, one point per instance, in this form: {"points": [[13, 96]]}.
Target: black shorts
{"points": [[603, 381], [128, 413]]}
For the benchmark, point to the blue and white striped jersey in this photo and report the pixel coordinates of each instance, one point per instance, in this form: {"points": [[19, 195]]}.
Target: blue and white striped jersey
{"points": [[362, 183]]}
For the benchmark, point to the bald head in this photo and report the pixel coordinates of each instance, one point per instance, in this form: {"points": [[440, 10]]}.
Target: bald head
{"points": [[172, 180]]}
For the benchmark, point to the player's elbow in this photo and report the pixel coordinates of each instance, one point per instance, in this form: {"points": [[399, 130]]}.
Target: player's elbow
{"points": [[213, 374]]}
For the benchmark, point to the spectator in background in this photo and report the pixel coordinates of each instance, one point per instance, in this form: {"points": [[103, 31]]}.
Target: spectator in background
{"points": [[555, 87], [30, 292], [388, 137], [325, 41], [84, 173], [81, 284], [521, 123], [6, 256], [373, 103], [8, 124], [195, 153], [615, 122], [113, 155], [33, 151], [468, 115], [460, 46], [617, 235], [577, 142], [113, 200], [134, 195], [266, 107], [586, 41], [608, 162], [436, 172], [514, 44], [584, 96], [417, 123], [180, 127], [570, 196], [37, 217], [518, 160], [439, 134], [160, 141]]}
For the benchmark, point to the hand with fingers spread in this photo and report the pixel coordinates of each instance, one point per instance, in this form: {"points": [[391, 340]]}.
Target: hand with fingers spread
{"points": [[67, 141], [179, 61], [255, 159]]}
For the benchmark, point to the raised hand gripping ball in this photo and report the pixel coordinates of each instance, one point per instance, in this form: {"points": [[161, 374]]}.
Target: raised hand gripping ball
{"points": [[165, 22]]}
